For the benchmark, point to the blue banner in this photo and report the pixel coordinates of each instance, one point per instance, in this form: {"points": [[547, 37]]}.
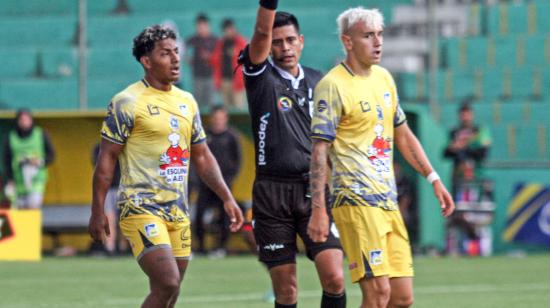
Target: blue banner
{"points": [[528, 216]]}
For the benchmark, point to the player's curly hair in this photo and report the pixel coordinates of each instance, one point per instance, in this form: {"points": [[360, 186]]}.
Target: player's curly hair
{"points": [[144, 43]]}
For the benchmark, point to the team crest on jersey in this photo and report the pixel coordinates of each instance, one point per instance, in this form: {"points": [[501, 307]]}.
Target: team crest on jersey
{"points": [[174, 123], [387, 99], [379, 113], [284, 103], [375, 257], [151, 230], [184, 111], [378, 152], [174, 162]]}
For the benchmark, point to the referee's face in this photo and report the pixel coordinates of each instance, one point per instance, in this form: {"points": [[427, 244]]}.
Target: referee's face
{"points": [[286, 48], [364, 43], [163, 63]]}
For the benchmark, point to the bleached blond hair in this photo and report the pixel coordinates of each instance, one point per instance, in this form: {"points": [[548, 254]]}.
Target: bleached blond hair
{"points": [[371, 17]]}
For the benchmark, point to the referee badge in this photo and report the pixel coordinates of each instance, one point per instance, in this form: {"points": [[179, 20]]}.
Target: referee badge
{"points": [[284, 103]]}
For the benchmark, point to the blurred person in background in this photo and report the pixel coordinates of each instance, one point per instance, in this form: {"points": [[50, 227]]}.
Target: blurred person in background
{"points": [[202, 44], [27, 153], [152, 127], [224, 143], [228, 79], [468, 148]]}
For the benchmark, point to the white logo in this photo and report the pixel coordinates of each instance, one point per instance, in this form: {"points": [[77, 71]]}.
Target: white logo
{"points": [[387, 99], [261, 142], [334, 230], [375, 257], [174, 123], [544, 219], [274, 247], [151, 230], [183, 110]]}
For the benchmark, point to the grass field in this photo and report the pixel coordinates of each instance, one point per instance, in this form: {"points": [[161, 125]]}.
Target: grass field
{"points": [[241, 282]]}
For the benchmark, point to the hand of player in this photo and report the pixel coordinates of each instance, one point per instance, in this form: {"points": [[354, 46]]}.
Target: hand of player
{"points": [[99, 227], [235, 215], [445, 200], [318, 226]]}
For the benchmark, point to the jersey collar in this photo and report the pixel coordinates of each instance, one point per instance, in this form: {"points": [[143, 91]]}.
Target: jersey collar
{"points": [[288, 76]]}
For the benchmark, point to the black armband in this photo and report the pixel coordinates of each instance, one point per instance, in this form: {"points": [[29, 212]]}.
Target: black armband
{"points": [[269, 4]]}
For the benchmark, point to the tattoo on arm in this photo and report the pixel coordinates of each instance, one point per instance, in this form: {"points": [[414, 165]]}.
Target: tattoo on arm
{"points": [[318, 176]]}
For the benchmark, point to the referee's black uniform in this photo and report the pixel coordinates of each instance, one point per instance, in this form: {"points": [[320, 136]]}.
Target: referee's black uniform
{"points": [[280, 106]]}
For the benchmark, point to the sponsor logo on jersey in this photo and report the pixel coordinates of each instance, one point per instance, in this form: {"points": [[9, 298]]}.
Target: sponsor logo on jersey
{"points": [[183, 109], [274, 247], [375, 257], [175, 160], [151, 230], [387, 99], [262, 139], [284, 103], [322, 105]]}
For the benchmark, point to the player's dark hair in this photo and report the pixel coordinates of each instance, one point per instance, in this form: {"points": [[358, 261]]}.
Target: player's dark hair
{"points": [[202, 17], [226, 23], [217, 108], [285, 19], [144, 43]]}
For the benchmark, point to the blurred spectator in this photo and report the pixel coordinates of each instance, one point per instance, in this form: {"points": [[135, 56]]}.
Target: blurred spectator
{"points": [[27, 153], [224, 144], [122, 8], [228, 79], [111, 211], [405, 199], [202, 43], [468, 148]]}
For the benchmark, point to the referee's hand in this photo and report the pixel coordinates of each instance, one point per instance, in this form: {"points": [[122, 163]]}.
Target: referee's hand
{"points": [[235, 215], [318, 226]]}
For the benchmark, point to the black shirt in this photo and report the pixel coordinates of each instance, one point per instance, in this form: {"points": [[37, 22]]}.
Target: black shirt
{"points": [[227, 58], [280, 107], [226, 149]]}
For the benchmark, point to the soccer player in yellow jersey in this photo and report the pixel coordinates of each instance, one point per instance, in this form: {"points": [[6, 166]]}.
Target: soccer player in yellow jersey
{"points": [[357, 120], [154, 130]]}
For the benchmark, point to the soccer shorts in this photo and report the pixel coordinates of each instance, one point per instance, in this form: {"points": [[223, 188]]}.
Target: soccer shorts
{"points": [[147, 232], [375, 241], [281, 211]]}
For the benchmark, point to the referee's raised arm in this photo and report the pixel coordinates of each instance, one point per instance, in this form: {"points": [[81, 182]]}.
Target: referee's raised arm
{"points": [[260, 45]]}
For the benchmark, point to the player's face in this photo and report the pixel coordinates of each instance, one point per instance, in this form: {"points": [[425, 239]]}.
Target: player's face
{"points": [[163, 63], [286, 47], [364, 43]]}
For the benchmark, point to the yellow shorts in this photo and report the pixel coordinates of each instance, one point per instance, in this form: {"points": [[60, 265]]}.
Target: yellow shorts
{"points": [[148, 232], [375, 241]]}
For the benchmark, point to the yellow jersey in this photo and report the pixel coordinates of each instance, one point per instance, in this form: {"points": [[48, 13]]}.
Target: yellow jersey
{"points": [[357, 115], [157, 129]]}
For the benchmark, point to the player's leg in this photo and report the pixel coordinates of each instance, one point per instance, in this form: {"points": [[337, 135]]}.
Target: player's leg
{"points": [[150, 242], [164, 277], [285, 286], [180, 239], [401, 266], [328, 256], [376, 292], [401, 292], [276, 238]]}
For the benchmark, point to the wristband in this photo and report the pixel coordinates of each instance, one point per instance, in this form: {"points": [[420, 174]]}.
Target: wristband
{"points": [[432, 177], [269, 4]]}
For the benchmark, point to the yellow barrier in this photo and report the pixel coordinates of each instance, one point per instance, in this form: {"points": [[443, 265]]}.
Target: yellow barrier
{"points": [[20, 235]]}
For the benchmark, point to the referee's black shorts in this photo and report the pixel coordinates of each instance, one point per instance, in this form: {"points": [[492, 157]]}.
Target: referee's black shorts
{"points": [[281, 210]]}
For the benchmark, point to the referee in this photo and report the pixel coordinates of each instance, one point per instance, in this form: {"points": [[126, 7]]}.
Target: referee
{"points": [[280, 102]]}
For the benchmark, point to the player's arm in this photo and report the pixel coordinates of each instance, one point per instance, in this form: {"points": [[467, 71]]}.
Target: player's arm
{"points": [[103, 176], [208, 170], [318, 227], [260, 45], [414, 154]]}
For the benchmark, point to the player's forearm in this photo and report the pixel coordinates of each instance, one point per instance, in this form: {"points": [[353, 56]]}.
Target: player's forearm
{"points": [[318, 170], [260, 45], [103, 176], [412, 151]]}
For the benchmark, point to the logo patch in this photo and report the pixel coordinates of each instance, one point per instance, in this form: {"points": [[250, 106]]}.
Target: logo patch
{"points": [[153, 110], [151, 230], [375, 257], [387, 99], [365, 106], [274, 247], [284, 103], [174, 123], [322, 105], [183, 110]]}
